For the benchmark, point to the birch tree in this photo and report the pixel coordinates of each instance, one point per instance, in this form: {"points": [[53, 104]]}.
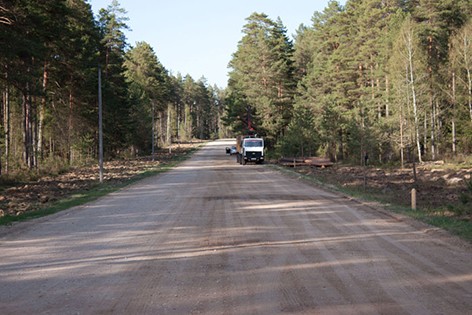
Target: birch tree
{"points": [[460, 56], [262, 72], [403, 68]]}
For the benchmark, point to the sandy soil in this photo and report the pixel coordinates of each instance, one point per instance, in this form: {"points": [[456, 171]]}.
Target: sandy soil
{"points": [[216, 237], [438, 187], [31, 195]]}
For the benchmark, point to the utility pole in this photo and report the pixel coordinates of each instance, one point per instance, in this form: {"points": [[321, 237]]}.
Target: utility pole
{"points": [[153, 131], [100, 125]]}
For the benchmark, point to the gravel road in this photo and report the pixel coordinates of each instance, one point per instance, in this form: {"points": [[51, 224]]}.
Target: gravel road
{"points": [[216, 237]]}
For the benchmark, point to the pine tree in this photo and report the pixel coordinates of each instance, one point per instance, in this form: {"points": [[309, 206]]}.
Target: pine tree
{"points": [[76, 67], [325, 88], [262, 74], [148, 88], [116, 109]]}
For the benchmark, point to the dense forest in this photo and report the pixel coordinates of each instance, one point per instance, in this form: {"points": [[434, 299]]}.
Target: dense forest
{"points": [[50, 55], [388, 79]]}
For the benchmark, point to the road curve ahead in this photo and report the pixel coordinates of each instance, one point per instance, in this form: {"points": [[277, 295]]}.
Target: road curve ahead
{"points": [[216, 237]]}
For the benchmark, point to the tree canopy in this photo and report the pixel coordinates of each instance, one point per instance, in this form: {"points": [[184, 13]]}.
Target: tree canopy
{"points": [[50, 54], [388, 79]]}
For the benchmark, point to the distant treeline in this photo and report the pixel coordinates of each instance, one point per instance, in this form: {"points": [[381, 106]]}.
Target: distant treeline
{"points": [[387, 79]]}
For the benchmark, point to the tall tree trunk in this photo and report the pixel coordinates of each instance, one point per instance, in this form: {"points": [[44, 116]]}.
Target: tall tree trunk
{"points": [[413, 94], [437, 121], [178, 110], [27, 129], [70, 128], [387, 98], [28, 123], [161, 127], [34, 131], [363, 150], [6, 123], [433, 132], [407, 115], [425, 133], [42, 112], [169, 124], [188, 122], [153, 130], [402, 157], [201, 124], [453, 120], [469, 88]]}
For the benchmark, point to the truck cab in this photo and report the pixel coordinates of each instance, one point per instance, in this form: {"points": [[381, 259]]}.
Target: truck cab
{"points": [[250, 149]]}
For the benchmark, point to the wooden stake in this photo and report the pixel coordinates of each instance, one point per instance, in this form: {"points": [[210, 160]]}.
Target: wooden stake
{"points": [[413, 199]]}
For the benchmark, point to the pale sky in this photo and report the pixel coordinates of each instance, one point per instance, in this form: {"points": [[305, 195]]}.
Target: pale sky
{"points": [[198, 37]]}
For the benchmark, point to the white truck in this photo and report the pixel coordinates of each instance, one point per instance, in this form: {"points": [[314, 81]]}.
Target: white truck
{"points": [[250, 149]]}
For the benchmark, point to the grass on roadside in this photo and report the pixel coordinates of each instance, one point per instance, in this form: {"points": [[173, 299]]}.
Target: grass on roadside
{"points": [[452, 218], [95, 191], [447, 220]]}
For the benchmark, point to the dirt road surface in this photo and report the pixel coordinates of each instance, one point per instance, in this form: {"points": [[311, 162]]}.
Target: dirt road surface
{"points": [[216, 237]]}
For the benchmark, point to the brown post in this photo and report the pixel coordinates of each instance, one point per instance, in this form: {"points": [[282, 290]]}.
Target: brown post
{"points": [[413, 199]]}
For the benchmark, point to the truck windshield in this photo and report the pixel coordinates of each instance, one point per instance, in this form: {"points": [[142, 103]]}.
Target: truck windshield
{"points": [[253, 143]]}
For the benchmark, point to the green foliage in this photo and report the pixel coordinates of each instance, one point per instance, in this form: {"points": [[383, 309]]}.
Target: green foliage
{"points": [[346, 85], [49, 58], [301, 138], [375, 77], [381, 76], [261, 81], [148, 92]]}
